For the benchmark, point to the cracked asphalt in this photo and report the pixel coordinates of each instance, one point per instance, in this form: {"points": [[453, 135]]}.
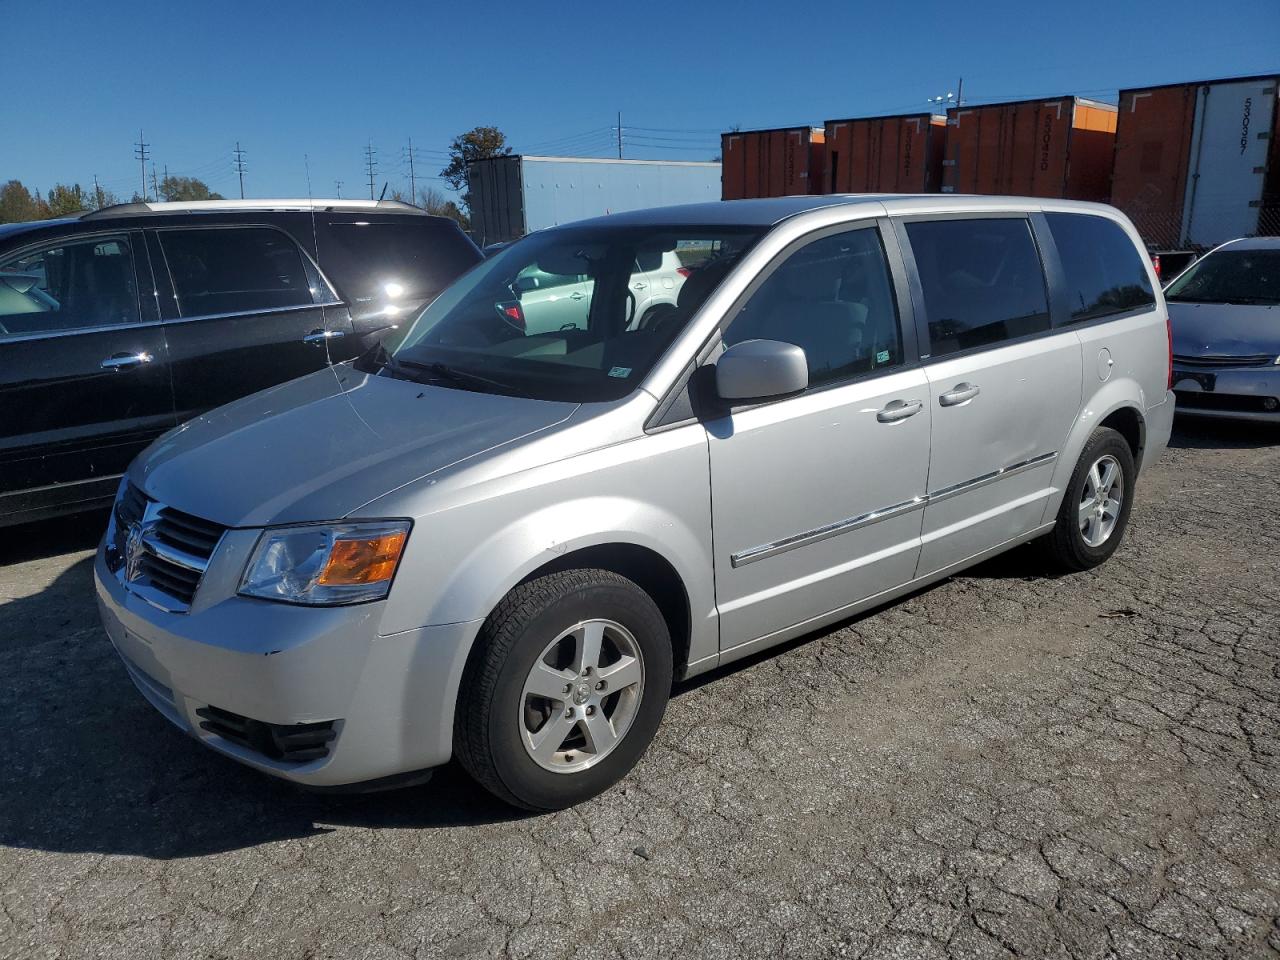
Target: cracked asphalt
{"points": [[1002, 765]]}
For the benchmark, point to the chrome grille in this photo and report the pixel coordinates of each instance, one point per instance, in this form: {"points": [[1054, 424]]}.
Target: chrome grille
{"points": [[160, 553], [1207, 363]]}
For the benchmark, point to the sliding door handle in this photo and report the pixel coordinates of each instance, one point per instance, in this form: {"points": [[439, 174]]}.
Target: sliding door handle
{"points": [[896, 410], [960, 393]]}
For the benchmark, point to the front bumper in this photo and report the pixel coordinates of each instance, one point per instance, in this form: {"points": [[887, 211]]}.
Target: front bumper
{"points": [[391, 697], [1236, 393]]}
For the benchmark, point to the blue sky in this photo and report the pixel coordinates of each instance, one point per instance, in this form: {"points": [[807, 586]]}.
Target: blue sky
{"points": [[323, 79]]}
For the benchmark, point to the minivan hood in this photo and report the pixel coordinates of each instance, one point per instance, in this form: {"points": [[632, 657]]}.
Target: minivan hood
{"points": [[319, 447], [1224, 329]]}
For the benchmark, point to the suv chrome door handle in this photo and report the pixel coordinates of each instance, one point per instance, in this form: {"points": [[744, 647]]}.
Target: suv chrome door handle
{"points": [[125, 361], [577, 295], [896, 410], [960, 393], [316, 337]]}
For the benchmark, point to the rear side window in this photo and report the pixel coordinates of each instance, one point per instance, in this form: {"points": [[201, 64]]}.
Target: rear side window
{"points": [[68, 286], [235, 270], [386, 262], [982, 280], [834, 299], [1104, 273]]}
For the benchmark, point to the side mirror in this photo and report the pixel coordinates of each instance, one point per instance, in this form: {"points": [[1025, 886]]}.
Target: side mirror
{"points": [[760, 369], [525, 284]]}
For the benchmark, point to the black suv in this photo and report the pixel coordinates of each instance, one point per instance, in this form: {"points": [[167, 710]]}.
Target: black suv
{"points": [[122, 323]]}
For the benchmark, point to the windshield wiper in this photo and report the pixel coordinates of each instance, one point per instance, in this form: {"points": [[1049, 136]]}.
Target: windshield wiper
{"points": [[442, 371]]}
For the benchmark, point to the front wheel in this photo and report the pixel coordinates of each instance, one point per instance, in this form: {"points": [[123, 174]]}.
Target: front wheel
{"points": [[565, 689], [1095, 509]]}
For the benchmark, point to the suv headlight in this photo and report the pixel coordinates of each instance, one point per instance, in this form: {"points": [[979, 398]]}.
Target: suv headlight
{"points": [[326, 564]]}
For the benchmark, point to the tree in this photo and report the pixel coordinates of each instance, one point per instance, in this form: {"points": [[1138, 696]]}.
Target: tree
{"points": [[479, 143], [433, 201], [65, 201], [186, 188], [101, 197], [18, 204]]}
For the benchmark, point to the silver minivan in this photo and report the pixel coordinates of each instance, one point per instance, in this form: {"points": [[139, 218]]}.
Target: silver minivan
{"points": [[504, 545]]}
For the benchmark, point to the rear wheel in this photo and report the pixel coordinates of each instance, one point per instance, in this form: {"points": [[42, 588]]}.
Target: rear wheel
{"points": [[565, 689], [1095, 509]]}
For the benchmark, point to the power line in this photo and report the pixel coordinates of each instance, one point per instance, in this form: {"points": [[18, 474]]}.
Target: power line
{"points": [[240, 167]]}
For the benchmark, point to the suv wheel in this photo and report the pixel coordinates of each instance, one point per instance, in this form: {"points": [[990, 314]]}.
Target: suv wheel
{"points": [[564, 690], [1095, 509]]}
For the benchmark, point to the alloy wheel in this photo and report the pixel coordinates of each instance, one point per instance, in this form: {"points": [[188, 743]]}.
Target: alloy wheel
{"points": [[1101, 501], [581, 696]]}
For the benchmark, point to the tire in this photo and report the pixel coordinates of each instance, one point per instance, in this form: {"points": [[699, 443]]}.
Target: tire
{"points": [[547, 623], [1067, 547]]}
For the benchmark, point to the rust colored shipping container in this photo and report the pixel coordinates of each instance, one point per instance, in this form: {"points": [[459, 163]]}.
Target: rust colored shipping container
{"points": [[1060, 148], [898, 154], [771, 163], [1199, 163]]}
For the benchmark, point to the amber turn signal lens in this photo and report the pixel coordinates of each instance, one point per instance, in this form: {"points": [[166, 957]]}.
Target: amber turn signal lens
{"points": [[367, 560]]}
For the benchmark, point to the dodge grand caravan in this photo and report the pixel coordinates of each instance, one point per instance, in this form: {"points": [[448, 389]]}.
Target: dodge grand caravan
{"points": [[502, 545]]}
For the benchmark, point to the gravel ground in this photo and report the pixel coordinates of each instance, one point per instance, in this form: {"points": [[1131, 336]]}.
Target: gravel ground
{"points": [[1003, 765]]}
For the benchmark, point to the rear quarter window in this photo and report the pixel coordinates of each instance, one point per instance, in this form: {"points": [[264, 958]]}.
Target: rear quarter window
{"points": [[1104, 273], [380, 262]]}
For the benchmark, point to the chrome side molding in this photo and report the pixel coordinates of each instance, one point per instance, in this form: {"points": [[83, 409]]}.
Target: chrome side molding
{"points": [[818, 534]]}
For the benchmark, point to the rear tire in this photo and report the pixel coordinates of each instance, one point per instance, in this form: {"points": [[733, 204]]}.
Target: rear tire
{"points": [[564, 690], [1095, 508]]}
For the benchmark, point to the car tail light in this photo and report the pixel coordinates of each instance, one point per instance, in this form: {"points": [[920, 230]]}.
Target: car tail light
{"points": [[1155, 262], [684, 272], [512, 313]]}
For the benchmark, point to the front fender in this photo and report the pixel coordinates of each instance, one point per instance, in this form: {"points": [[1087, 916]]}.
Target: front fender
{"points": [[651, 493]]}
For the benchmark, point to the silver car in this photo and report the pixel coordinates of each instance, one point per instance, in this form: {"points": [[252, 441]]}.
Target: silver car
{"points": [[1225, 312], [504, 545]]}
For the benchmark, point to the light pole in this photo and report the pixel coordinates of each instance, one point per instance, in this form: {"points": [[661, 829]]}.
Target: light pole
{"points": [[951, 99]]}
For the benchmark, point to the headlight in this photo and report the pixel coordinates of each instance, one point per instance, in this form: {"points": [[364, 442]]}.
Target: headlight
{"points": [[326, 564]]}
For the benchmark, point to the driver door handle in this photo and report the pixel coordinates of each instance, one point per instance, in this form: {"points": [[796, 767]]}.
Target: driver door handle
{"points": [[317, 337], [896, 410], [577, 295], [960, 393], [125, 361]]}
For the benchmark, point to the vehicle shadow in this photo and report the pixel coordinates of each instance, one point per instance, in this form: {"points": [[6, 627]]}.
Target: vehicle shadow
{"points": [[89, 767], [1195, 433], [47, 538]]}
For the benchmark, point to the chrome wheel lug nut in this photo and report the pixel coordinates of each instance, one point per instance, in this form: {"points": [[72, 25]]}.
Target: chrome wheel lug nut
{"points": [[601, 685]]}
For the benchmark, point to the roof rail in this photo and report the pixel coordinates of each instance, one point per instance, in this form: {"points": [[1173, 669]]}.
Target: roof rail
{"points": [[143, 207]]}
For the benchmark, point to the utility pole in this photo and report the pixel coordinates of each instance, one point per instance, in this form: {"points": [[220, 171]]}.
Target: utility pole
{"points": [[338, 186], [140, 154], [155, 187], [413, 183], [166, 176], [97, 193], [240, 167], [371, 165], [619, 134], [952, 99]]}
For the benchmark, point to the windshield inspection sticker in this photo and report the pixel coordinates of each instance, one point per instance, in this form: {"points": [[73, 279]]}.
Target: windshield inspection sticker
{"points": [[882, 356], [620, 372]]}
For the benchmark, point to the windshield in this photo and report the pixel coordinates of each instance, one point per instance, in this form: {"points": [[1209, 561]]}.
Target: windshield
{"points": [[1230, 276], [569, 314]]}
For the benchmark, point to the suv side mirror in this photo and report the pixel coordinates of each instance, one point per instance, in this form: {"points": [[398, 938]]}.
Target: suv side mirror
{"points": [[760, 369], [525, 284]]}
